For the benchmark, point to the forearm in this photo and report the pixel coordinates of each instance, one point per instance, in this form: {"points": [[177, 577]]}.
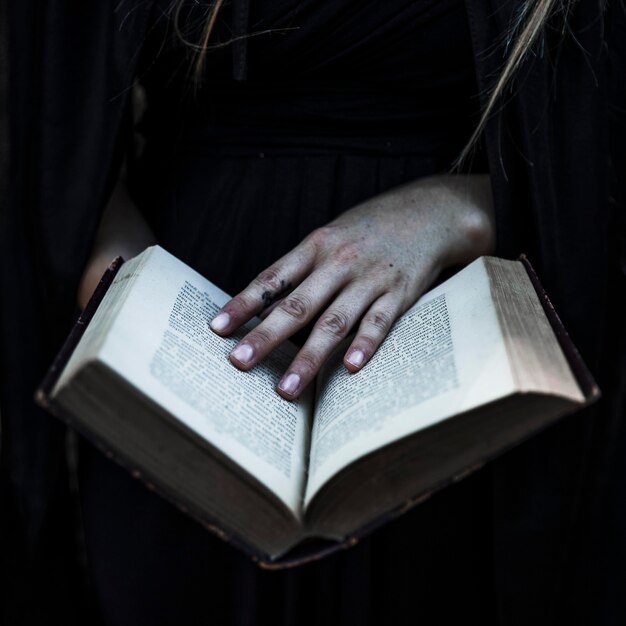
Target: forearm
{"points": [[122, 231], [455, 210]]}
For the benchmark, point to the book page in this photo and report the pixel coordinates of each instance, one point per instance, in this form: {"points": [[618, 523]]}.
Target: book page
{"points": [[100, 324], [446, 355], [162, 344]]}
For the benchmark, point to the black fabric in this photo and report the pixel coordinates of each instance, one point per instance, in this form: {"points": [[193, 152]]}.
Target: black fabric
{"points": [[536, 537], [257, 165], [70, 67]]}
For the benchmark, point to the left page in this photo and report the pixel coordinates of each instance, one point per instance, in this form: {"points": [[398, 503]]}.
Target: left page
{"points": [[161, 342]]}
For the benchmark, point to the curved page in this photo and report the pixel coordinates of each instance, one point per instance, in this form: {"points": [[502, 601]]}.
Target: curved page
{"points": [[161, 343], [446, 355]]}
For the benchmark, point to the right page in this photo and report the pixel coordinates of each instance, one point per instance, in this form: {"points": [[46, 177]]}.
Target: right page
{"points": [[444, 356]]}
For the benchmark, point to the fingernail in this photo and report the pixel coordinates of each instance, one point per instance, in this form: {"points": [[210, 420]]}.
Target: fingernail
{"points": [[290, 384], [356, 357], [220, 322], [243, 353]]}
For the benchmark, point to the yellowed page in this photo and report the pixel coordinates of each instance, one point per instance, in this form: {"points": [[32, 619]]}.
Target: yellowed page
{"points": [[446, 355]]}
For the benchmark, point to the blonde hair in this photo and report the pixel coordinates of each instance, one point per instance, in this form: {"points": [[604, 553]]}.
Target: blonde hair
{"points": [[526, 28]]}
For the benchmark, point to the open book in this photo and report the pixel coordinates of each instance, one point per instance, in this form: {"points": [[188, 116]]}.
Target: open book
{"points": [[473, 368]]}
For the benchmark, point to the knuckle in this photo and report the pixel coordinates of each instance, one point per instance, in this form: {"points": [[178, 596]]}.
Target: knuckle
{"points": [[269, 279], [380, 320], [241, 303], [347, 253], [402, 286], [335, 323], [319, 237], [308, 363], [367, 342], [262, 337], [296, 306]]}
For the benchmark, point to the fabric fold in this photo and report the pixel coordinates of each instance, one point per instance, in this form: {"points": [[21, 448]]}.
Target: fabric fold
{"points": [[240, 44]]}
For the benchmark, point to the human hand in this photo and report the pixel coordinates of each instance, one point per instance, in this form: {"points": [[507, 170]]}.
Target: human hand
{"points": [[366, 267]]}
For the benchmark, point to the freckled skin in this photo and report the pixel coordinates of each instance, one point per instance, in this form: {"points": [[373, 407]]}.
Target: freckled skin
{"points": [[343, 278], [358, 273]]}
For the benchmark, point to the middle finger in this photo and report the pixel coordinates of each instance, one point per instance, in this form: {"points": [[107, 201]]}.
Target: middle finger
{"points": [[293, 313], [331, 328]]}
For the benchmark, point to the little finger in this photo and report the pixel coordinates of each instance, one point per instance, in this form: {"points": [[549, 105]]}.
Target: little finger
{"points": [[374, 327]]}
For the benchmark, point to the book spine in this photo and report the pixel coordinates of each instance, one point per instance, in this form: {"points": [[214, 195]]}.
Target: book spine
{"points": [[317, 549]]}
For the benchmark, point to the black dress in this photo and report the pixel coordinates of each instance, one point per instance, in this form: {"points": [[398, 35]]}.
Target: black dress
{"points": [[352, 99], [537, 537]]}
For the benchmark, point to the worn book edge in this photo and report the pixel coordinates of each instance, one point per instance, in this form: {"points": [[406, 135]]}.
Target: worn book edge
{"points": [[42, 395], [581, 373]]}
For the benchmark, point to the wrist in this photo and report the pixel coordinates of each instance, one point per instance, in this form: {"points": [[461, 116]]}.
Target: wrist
{"points": [[470, 201]]}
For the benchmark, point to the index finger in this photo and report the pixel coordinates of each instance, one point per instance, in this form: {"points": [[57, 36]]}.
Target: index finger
{"points": [[264, 290]]}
